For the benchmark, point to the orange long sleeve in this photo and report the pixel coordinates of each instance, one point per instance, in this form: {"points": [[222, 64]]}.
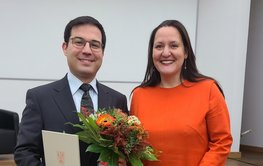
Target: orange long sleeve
{"points": [[189, 124]]}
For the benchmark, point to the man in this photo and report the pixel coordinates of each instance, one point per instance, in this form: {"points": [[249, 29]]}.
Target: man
{"points": [[51, 106]]}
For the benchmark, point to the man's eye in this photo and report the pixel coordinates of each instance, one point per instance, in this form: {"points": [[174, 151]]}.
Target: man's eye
{"points": [[79, 42], [95, 45]]}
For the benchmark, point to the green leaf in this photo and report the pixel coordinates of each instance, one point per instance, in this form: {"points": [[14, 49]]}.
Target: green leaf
{"points": [[104, 155], [135, 161], [105, 142], [109, 156], [93, 124], [95, 148], [148, 154], [90, 129], [113, 161]]}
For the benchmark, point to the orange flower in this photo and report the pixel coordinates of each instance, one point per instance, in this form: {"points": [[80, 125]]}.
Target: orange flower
{"points": [[105, 120]]}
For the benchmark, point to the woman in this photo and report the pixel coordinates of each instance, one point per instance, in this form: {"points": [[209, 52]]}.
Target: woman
{"points": [[184, 111]]}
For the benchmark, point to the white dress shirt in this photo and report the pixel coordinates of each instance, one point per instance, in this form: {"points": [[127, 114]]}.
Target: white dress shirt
{"points": [[75, 83]]}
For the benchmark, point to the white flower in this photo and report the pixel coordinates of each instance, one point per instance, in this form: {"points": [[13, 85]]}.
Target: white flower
{"points": [[133, 120]]}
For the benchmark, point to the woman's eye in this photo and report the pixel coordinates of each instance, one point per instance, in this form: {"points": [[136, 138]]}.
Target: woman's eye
{"points": [[158, 47], [174, 46]]}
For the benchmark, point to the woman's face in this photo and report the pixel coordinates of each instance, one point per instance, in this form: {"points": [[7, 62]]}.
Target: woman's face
{"points": [[168, 52]]}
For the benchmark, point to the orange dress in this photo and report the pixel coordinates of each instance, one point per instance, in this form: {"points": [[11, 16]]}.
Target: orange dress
{"points": [[189, 124]]}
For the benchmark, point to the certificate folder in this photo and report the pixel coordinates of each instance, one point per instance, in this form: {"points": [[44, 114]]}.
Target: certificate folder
{"points": [[61, 149]]}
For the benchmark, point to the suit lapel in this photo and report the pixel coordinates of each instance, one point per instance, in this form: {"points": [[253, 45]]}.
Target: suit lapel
{"points": [[64, 100], [103, 96]]}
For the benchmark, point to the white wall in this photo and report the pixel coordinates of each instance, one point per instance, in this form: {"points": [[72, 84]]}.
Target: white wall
{"points": [[32, 32], [12, 96], [253, 93], [221, 51]]}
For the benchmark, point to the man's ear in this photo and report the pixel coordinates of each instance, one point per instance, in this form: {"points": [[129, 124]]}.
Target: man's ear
{"points": [[64, 48]]}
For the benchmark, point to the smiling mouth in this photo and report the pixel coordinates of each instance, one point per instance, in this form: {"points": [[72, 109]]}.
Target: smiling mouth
{"points": [[86, 60], [167, 61]]}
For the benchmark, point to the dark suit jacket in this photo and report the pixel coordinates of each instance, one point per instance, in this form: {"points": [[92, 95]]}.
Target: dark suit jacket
{"points": [[49, 107]]}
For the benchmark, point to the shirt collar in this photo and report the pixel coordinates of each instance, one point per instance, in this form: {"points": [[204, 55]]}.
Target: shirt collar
{"points": [[93, 83], [75, 83]]}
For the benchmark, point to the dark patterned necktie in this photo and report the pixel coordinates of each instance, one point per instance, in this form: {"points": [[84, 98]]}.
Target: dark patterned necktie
{"points": [[86, 106]]}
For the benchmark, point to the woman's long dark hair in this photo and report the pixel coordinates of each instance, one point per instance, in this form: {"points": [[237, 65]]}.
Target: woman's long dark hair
{"points": [[191, 73]]}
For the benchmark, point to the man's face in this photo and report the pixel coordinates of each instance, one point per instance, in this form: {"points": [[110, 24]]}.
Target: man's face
{"points": [[84, 51]]}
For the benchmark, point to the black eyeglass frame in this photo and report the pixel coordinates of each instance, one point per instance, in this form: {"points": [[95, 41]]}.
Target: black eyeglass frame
{"points": [[80, 43]]}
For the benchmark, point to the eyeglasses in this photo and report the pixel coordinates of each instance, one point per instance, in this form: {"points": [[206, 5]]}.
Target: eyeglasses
{"points": [[80, 43]]}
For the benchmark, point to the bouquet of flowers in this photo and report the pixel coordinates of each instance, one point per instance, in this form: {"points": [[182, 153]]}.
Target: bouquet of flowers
{"points": [[115, 135]]}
